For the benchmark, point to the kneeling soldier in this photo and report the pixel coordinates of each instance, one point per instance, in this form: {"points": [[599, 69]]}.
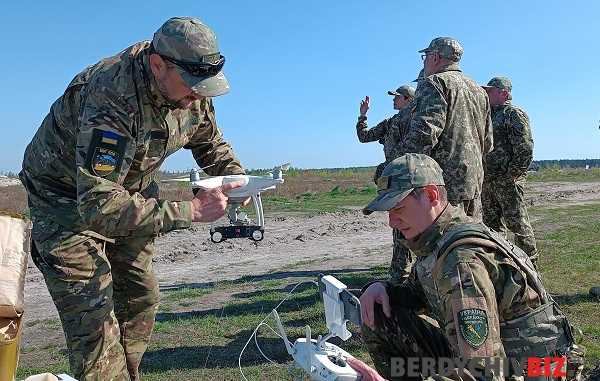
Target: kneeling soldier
{"points": [[483, 292]]}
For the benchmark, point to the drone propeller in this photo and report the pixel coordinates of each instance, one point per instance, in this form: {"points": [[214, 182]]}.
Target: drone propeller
{"points": [[177, 180], [194, 174], [283, 167], [277, 172]]}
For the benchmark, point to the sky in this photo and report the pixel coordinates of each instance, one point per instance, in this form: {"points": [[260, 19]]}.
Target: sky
{"points": [[298, 69]]}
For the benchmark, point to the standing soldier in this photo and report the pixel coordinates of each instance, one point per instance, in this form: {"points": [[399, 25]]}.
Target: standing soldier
{"points": [[390, 133], [506, 167], [451, 123], [90, 175]]}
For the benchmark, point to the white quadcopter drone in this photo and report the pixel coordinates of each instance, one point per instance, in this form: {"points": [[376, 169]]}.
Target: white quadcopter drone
{"points": [[240, 226]]}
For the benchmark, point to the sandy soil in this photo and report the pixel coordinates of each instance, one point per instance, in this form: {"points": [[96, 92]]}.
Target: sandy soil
{"points": [[344, 240]]}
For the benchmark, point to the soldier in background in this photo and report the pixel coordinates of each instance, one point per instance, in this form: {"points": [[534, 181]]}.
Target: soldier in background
{"points": [[90, 174], [482, 291], [451, 123], [503, 195], [389, 131]]}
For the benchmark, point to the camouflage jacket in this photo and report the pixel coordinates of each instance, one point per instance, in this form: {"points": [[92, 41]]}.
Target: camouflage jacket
{"points": [[92, 163], [452, 124], [472, 287], [389, 132], [513, 144]]}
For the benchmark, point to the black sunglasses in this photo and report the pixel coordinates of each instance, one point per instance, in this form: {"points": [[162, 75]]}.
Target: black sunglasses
{"points": [[201, 69]]}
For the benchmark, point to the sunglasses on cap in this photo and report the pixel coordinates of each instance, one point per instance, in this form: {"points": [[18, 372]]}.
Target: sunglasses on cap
{"points": [[212, 64], [383, 183]]}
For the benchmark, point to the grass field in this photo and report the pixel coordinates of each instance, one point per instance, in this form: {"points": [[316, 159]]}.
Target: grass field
{"points": [[193, 342], [310, 190], [569, 174]]}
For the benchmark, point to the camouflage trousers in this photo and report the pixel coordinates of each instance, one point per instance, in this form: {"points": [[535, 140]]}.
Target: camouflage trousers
{"points": [[106, 295], [402, 257], [504, 206], [407, 335], [404, 335], [472, 208]]}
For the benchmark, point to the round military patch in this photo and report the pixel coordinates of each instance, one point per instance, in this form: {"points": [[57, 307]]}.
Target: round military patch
{"points": [[104, 161], [473, 323]]}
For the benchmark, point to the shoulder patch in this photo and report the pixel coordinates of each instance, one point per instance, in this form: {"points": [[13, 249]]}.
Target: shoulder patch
{"points": [[105, 153], [474, 326]]}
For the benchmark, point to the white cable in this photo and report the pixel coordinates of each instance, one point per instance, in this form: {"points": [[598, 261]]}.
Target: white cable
{"points": [[263, 321], [258, 346]]}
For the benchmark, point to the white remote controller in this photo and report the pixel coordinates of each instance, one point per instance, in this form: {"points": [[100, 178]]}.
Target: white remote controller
{"points": [[324, 362], [65, 377]]}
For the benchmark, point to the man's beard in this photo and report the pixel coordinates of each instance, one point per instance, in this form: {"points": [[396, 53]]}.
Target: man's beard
{"points": [[175, 103]]}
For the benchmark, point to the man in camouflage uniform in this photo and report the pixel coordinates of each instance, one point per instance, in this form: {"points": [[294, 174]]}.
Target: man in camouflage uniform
{"points": [[390, 133], [484, 293], [506, 167], [451, 123], [90, 173]]}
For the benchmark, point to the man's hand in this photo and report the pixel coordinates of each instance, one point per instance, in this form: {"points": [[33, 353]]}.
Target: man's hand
{"points": [[209, 205], [242, 201], [364, 106], [367, 373], [375, 293]]}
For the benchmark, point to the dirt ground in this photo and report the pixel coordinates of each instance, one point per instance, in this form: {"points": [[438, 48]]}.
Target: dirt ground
{"points": [[331, 241]]}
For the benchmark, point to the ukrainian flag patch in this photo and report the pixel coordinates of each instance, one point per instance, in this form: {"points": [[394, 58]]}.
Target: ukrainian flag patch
{"points": [[105, 153], [110, 138]]}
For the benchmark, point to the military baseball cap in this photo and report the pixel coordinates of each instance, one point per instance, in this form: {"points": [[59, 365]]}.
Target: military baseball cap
{"points": [[192, 47], [400, 177], [501, 83], [404, 90], [447, 47]]}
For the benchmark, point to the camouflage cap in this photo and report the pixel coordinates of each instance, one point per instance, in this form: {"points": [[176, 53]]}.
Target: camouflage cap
{"points": [[400, 177], [447, 47], [501, 83], [188, 40], [404, 90]]}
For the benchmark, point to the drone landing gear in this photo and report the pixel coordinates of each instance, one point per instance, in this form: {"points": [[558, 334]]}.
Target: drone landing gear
{"points": [[221, 233]]}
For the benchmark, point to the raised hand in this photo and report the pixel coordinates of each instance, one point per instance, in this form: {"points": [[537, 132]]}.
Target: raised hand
{"points": [[364, 106]]}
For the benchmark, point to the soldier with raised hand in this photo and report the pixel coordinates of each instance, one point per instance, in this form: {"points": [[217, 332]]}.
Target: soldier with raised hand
{"points": [[451, 123], [483, 292], [503, 195], [390, 131], [90, 173]]}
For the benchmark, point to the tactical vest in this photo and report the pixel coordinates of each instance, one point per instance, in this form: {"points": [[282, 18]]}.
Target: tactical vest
{"points": [[540, 333]]}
